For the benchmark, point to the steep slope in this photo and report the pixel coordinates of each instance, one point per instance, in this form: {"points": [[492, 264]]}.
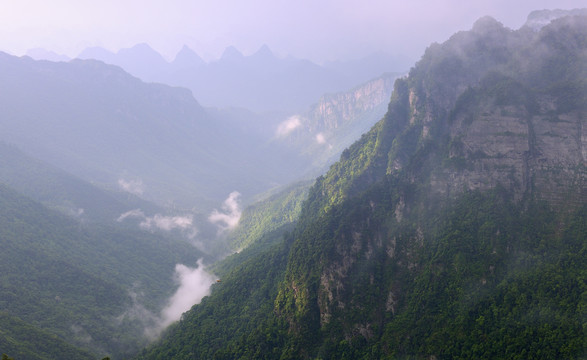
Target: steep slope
{"points": [[492, 107], [336, 121], [489, 109], [61, 191], [89, 285], [23, 341], [454, 228]]}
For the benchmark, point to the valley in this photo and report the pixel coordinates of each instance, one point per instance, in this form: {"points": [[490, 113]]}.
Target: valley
{"points": [[265, 207]]}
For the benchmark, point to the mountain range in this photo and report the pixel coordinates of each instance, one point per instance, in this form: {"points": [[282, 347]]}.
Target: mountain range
{"points": [[103, 174], [259, 82], [454, 228], [99, 123], [453, 224]]}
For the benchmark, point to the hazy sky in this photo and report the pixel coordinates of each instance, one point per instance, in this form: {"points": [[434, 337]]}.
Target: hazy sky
{"points": [[315, 29]]}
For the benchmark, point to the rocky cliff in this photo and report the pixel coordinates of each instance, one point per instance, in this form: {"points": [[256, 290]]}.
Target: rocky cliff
{"points": [[334, 110], [490, 106], [454, 228], [338, 119]]}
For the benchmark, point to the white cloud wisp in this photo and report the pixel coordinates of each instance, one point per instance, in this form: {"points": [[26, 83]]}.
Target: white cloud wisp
{"points": [[231, 214]]}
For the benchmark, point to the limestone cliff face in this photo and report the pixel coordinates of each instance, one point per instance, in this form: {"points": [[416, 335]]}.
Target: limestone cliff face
{"points": [[337, 120], [489, 107], [540, 153], [334, 110], [522, 124]]}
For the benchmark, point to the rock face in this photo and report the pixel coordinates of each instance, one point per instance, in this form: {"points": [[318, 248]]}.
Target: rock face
{"points": [[334, 110], [338, 119], [541, 153], [489, 107]]}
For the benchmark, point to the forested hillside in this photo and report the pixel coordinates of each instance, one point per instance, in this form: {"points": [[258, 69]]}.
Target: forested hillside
{"points": [[65, 283], [455, 228], [58, 190]]}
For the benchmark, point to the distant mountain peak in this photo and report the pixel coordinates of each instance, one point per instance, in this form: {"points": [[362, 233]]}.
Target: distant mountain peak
{"points": [[142, 50], [231, 53], [264, 51], [141, 46], [186, 57]]}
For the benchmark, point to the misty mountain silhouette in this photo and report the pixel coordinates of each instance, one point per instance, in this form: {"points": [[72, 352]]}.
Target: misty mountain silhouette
{"points": [[258, 82]]}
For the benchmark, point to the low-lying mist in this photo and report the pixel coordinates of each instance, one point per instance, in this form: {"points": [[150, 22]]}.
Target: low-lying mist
{"points": [[193, 283]]}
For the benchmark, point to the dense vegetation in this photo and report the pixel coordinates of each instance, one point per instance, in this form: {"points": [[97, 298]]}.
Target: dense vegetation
{"points": [[74, 283], [390, 259], [267, 215], [24, 341], [484, 278]]}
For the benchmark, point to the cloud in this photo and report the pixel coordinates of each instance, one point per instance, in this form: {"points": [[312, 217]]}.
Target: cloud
{"points": [[162, 222], [289, 125], [135, 187], [320, 139], [136, 213], [194, 284], [231, 214], [149, 321], [80, 334], [167, 223]]}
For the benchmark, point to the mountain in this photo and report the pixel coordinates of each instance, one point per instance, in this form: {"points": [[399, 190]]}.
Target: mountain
{"points": [[259, 82], [98, 53], [336, 121], [185, 59], [140, 60], [86, 288], [99, 123], [454, 228], [58, 190]]}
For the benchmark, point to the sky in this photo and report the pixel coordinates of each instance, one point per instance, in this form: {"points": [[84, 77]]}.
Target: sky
{"points": [[318, 30]]}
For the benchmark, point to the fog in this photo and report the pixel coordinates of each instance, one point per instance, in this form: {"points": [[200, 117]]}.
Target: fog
{"points": [[193, 285], [288, 125], [230, 214], [135, 186], [161, 222], [317, 30]]}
